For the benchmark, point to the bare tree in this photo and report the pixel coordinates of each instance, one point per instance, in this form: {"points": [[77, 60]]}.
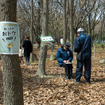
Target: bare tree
{"points": [[64, 22], [12, 78], [31, 32], [71, 23], [43, 49]]}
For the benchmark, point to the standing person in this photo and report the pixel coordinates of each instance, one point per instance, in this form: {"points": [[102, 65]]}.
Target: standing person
{"points": [[64, 55], [83, 44], [27, 49]]}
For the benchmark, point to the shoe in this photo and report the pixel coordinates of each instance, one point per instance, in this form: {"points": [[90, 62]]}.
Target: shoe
{"points": [[67, 77], [77, 82], [70, 77], [87, 82]]}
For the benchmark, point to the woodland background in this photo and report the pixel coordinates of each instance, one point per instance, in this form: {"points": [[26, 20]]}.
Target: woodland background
{"points": [[60, 19]]}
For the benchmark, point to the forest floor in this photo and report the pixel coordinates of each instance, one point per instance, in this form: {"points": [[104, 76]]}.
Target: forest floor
{"points": [[59, 91]]}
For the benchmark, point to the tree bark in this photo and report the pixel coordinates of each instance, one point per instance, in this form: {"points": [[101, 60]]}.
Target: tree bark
{"points": [[43, 49], [71, 23], [89, 30], [64, 22], [12, 78], [31, 33], [39, 23]]}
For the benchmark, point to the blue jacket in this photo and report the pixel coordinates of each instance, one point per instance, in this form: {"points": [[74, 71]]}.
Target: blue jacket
{"points": [[86, 47], [62, 55]]}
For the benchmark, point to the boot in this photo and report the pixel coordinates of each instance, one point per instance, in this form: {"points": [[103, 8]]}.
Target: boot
{"points": [[67, 77]]}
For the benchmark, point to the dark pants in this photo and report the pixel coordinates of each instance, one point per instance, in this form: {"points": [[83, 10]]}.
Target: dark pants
{"points": [[27, 58], [87, 73], [68, 70]]}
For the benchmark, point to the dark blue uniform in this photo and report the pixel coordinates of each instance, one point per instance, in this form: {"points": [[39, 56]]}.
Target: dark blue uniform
{"points": [[62, 55], [86, 56]]}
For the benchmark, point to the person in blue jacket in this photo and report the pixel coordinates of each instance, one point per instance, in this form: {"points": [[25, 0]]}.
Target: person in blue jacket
{"points": [[64, 55], [83, 43]]}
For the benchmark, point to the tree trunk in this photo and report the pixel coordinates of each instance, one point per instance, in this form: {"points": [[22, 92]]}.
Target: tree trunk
{"points": [[31, 33], [67, 21], [64, 22], [39, 21], [71, 23], [58, 37], [12, 79], [89, 30], [94, 49], [43, 49]]}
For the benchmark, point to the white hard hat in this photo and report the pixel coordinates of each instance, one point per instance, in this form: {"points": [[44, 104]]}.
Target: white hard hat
{"points": [[80, 30]]}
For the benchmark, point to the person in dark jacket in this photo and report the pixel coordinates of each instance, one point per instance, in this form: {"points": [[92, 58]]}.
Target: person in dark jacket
{"points": [[64, 55], [83, 44], [27, 45]]}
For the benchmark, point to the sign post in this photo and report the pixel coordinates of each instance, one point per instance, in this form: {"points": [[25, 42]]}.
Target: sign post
{"points": [[9, 38], [47, 38], [48, 41]]}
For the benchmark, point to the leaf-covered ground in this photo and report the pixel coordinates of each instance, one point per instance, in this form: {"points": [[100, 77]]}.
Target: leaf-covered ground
{"points": [[59, 91]]}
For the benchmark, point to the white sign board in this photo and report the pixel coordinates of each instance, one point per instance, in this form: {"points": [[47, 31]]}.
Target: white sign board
{"points": [[47, 38], [9, 38]]}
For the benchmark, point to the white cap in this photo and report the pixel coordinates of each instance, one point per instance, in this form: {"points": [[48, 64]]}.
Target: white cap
{"points": [[80, 30]]}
